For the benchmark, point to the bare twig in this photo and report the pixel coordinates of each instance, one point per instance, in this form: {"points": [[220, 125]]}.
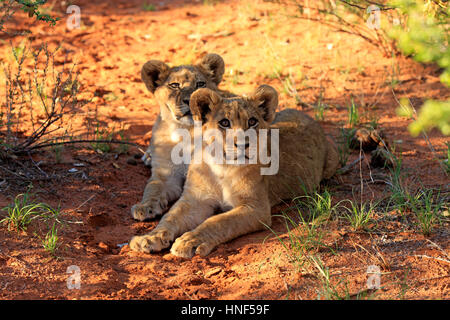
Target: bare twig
{"points": [[40, 146], [439, 247], [347, 168], [185, 292], [378, 38], [428, 257], [36, 165], [90, 198], [381, 6]]}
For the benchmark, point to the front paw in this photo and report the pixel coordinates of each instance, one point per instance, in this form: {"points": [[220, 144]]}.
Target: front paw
{"points": [[155, 241], [190, 244], [149, 210]]}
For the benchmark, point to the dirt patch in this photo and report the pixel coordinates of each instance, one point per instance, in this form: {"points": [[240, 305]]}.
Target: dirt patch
{"points": [[254, 38]]}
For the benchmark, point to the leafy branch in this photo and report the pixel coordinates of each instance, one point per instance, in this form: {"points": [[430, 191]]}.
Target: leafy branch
{"points": [[9, 7]]}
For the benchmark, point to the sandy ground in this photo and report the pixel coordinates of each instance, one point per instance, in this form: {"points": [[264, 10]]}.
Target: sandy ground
{"points": [[254, 38]]}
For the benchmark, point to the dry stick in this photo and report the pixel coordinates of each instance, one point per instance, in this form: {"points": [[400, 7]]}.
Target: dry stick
{"points": [[40, 146], [371, 2], [439, 247], [74, 210], [36, 165], [428, 257], [354, 30], [28, 177], [353, 5], [13, 173], [356, 255], [347, 168], [360, 174], [185, 292], [370, 175], [90, 198]]}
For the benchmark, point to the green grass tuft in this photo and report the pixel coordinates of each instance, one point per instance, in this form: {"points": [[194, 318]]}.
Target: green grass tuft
{"points": [[24, 210]]}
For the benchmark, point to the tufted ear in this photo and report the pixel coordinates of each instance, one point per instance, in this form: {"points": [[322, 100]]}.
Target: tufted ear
{"points": [[214, 66], [266, 99], [153, 73], [202, 102]]}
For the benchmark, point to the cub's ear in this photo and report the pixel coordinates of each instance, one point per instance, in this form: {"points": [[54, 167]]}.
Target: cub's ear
{"points": [[266, 99], [202, 102], [153, 73], [214, 66]]}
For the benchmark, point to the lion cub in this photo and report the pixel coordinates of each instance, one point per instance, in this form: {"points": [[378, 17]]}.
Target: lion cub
{"points": [[172, 88], [238, 190]]}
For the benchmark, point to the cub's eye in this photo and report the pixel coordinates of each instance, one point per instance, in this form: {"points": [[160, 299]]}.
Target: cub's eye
{"points": [[174, 85], [201, 84], [225, 123], [252, 122]]}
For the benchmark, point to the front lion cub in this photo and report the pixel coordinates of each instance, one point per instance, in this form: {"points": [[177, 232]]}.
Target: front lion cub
{"points": [[239, 191]]}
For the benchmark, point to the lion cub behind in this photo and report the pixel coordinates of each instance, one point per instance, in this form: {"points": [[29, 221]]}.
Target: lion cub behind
{"points": [[239, 191], [172, 88]]}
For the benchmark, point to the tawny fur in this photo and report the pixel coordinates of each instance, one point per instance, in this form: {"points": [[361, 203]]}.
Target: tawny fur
{"points": [[240, 192], [172, 88], [306, 156]]}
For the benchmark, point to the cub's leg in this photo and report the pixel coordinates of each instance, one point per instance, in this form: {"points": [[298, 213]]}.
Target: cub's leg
{"points": [[187, 213], [221, 228], [164, 186]]}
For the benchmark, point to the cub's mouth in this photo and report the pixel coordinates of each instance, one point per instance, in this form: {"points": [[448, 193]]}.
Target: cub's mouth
{"points": [[185, 118], [235, 156], [182, 115]]}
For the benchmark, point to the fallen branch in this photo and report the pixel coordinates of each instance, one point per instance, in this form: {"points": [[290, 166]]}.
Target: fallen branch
{"points": [[382, 7], [45, 145], [347, 168], [428, 257]]}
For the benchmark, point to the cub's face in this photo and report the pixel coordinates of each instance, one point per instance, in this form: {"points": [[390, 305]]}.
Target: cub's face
{"points": [[173, 87], [243, 114]]}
